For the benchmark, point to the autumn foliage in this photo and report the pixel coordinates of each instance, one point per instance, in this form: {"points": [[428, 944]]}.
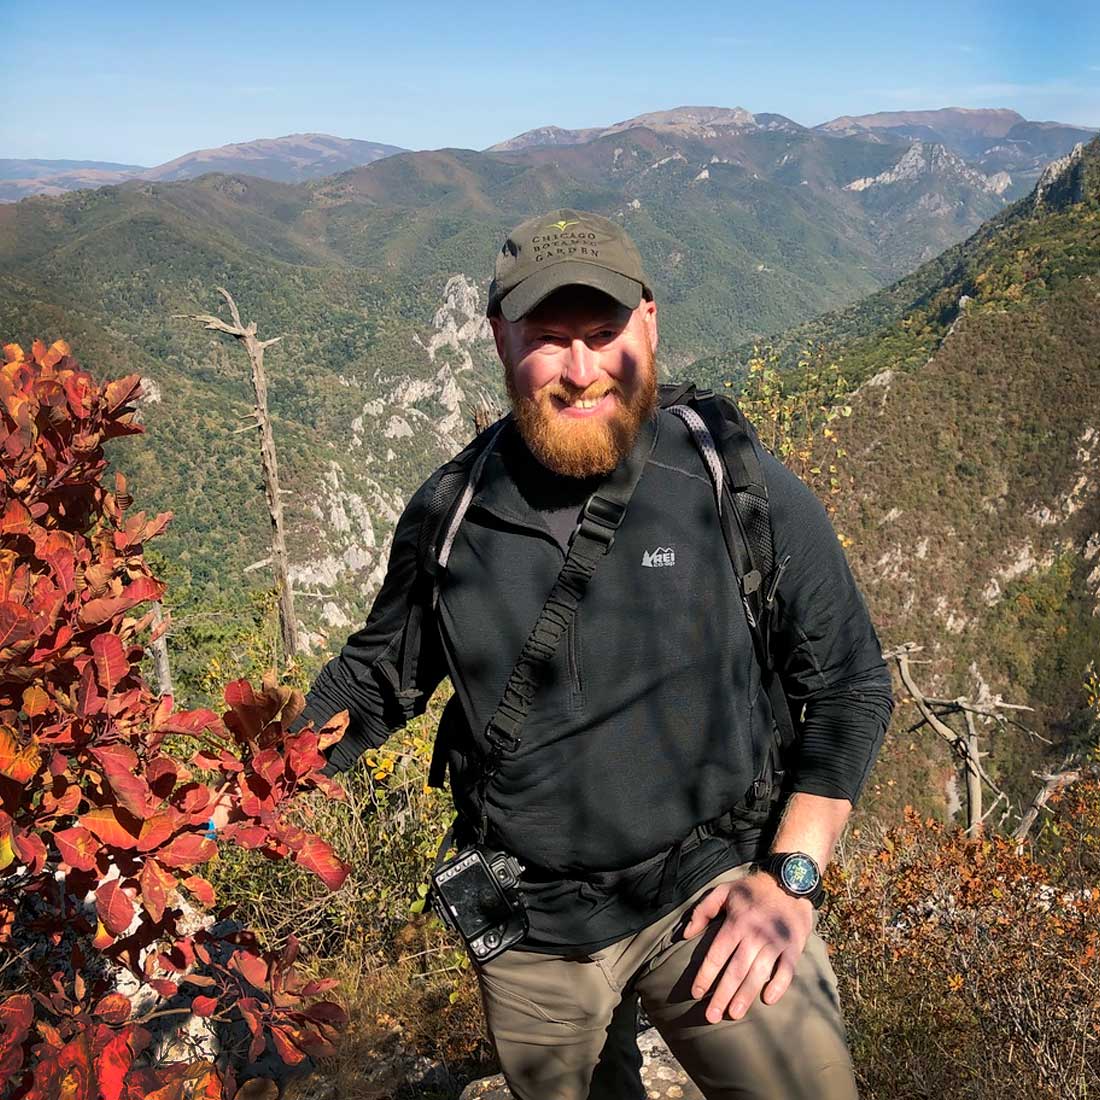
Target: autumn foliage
{"points": [[106, 790], [972, 968]]}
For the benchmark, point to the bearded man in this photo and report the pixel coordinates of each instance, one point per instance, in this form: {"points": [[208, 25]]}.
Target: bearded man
{"points": [[646, 724]]}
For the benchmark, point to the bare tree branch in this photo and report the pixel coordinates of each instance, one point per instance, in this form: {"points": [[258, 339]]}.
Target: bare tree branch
{"points": [[1053, 782]]}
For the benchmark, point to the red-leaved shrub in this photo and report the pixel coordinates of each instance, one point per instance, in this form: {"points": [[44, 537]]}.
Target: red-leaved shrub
{"points": [[106, 791]]}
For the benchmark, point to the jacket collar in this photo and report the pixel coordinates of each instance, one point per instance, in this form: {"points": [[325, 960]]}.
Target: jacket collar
{"points": [[516, 487]]}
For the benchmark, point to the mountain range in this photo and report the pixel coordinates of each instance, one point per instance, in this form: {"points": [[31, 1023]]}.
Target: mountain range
{"points": [[288, 159], [990, 141], [966, 325]]}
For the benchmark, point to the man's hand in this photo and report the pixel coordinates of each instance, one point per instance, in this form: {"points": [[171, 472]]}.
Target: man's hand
{"points": [[763, 933]]}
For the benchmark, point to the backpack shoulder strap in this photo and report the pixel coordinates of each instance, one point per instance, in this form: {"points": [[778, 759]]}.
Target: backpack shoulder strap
{"points": [[448, 504], [726, 440]]}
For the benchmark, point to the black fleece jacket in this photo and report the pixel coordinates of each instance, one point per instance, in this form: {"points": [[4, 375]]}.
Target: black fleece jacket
{"points": [[652, 719]]}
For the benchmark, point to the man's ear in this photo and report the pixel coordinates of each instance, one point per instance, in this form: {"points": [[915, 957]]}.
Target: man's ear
{"points": [[649, 319], [500, 336]]}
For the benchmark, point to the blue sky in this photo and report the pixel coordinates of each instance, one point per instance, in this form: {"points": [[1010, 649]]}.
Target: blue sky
{"points": [[143, 83]]}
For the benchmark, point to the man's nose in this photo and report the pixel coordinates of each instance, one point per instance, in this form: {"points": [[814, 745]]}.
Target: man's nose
{"points": [[581, 369]]}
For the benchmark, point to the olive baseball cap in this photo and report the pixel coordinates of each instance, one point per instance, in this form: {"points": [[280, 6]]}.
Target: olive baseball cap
{"points": [[563, 248]]}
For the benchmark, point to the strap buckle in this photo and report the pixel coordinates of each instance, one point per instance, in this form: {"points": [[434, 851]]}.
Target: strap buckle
{"points": [[500, 739], [600, 520]]}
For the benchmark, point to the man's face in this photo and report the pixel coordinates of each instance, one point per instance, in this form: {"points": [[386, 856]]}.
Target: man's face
{"points": [[581, 373]]}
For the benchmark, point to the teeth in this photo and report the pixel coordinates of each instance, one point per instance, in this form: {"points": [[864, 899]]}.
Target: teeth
{"points": [[587, 403]]}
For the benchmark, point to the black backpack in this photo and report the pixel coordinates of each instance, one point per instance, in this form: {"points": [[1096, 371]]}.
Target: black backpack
{"points": [[728, 445]]}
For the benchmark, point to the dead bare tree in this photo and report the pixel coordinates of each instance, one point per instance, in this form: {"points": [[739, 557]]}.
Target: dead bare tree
{"points": [[1053, 782], [937, 713], [246, 334]]}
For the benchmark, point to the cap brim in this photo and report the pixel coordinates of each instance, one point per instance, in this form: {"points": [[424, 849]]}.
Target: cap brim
{"points": [[521, 299]]}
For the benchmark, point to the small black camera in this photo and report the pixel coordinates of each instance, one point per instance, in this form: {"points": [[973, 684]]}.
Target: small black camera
{"points": [[477, 894]]}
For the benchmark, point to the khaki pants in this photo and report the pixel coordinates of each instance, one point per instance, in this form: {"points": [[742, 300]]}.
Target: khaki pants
{"points": [[550, 1017]]}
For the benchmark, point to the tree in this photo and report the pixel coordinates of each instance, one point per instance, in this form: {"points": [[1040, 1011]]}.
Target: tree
{"points": [[255, 348]]}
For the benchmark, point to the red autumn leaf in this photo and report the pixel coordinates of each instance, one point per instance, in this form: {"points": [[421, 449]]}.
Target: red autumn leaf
{"points": [[194, 798], [189, 721], [111, 664], [252, 968], [114, 1008], [156, 885], [65, 802], [114, 907], [204, 1006], [120, 390], [284, 1038], [120, 765], [18, 762], [88, 700], [112, 1063], [16, 520], [17, 624], [328, 1012], [57, 550], [270, 765], [30, 849], [186, 850], [161, 774], [249, 1009], [16, 1014], [75, 1065], [316, 855], [64, 636], [78, 847], [100, 610], [333, 730], [36, 701], [247, 836], [239, 693], [157, 829], [202, 889], [105, 824], [164, 986]]}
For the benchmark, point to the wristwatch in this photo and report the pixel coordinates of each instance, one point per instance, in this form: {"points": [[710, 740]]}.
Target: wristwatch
{"points": [[797, 873]]}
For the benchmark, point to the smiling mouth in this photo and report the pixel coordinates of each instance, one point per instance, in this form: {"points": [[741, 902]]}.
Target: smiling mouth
{"points": [[584, 404]]}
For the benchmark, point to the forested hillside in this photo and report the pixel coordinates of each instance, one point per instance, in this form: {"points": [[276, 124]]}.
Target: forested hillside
{"points": [[376, 280], [970, 470]]}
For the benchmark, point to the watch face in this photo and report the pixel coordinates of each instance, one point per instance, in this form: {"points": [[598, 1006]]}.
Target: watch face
{"points": [[799, 874]]}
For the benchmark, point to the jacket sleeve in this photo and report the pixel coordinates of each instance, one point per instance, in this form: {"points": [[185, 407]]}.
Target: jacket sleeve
{"points": [[362, 676], [826, 650]]}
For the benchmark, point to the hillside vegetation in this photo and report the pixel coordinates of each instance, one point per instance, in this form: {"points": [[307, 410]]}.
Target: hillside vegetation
{"points": [[970, 476]]}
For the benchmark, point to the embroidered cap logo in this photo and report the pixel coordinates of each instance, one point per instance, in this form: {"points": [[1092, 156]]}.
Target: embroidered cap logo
{"points": [[561, 227]]}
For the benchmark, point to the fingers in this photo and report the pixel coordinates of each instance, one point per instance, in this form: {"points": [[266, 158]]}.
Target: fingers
{"points": [[749, 968], [722, 947], [780, 983], [707, 909]]}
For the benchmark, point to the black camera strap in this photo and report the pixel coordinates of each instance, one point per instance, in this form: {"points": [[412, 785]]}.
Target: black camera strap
{"points": [[593, 537]]}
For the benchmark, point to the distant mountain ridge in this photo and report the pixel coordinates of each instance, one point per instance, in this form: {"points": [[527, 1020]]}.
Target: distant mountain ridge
{"points": [[290, 159], [991, 141], [685, 121]]}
